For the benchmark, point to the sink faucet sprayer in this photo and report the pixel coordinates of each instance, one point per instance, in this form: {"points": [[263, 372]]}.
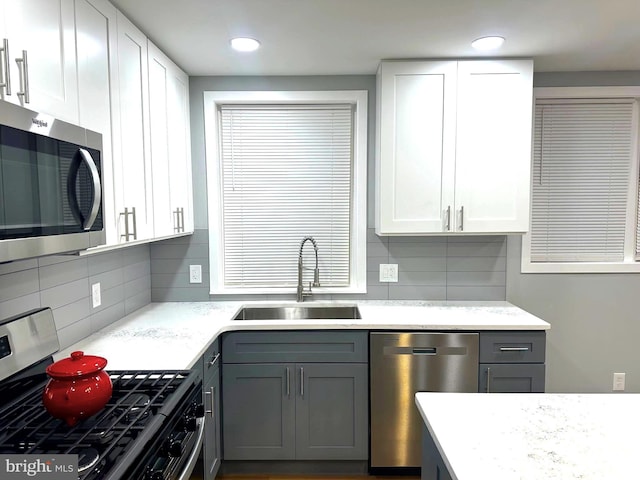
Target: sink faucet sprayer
{"points": [[316, 273]]}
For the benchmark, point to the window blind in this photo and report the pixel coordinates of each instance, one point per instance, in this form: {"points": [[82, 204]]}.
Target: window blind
{"points": [[581, 162], [286, 174]]}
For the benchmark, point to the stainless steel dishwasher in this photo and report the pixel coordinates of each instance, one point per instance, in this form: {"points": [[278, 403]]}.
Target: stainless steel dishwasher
{"points": [[401, 364]]}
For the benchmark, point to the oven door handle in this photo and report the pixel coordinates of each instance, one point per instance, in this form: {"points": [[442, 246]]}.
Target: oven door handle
{"points": [[195, 454]]}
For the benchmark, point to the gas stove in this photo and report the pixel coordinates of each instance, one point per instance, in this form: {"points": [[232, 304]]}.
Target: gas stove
{"points": [[151, 428]]}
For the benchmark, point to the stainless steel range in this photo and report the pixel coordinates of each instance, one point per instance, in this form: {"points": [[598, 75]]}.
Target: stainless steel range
{"points": [[151, 428]]}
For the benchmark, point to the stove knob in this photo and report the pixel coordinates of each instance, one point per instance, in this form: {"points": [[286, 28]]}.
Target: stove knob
{"points": [[199, 410], [175, 449], [154, 475], [190, 424]]}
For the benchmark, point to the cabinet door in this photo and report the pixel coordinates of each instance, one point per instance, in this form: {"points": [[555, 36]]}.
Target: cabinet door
{"points": [[331, 411], [45, 30], [493, 146], [170, 146], [132, 169], [96, 46], [212, 446], [511, 378], [433, 466], [259, 411], [416, 124]]}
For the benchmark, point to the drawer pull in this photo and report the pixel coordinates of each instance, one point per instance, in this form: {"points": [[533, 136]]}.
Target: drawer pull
{"points": [[488, 379], [514, 349], [214, 360]]}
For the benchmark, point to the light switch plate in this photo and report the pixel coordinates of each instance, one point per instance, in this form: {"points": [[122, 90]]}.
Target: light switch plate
{"points": [[195, 273], [618, 382], [388, 272]]}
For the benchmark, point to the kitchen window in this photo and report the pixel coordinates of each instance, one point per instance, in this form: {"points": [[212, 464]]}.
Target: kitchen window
{"points": [[282, 166], [584, 192]]}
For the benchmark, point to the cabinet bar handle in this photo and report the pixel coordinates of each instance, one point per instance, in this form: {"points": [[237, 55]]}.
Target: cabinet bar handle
{"points": [[288, 382], [22, 63], [209, 394], [461, 218], [135, 224], [214, 359], [449, 218], [5, 73], [514, 349], [302, 382], [488, 379], [213, 402]]}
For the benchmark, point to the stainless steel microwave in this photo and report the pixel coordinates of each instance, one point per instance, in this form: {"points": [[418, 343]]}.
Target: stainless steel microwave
{"points": [[50, 185]]}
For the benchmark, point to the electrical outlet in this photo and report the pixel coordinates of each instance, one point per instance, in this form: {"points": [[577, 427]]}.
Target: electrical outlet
{"points": [[388, 272], [195, 273], [96, 298], [618, 382]]}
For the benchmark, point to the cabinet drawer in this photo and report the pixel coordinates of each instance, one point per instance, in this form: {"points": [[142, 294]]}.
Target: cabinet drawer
{"points": [[511, 378], [211, 360], [512, 347], [318, 346]]}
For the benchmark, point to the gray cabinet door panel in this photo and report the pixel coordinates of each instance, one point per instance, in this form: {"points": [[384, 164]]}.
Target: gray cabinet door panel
{"points": [[512, 347], [298, 346], [259, 412], [511, 378], [433, 466], [331, 412], [212, 441]]}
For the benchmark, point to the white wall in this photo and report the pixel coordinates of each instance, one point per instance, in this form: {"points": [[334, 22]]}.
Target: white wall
{"points": [[595, 318]]}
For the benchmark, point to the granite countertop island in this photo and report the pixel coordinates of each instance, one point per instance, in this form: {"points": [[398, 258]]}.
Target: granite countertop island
{"points": [[534, 436], [174, 335]]}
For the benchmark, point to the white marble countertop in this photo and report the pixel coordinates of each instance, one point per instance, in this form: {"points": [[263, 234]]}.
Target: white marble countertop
{"points": [[535, 436], [174, 335]]}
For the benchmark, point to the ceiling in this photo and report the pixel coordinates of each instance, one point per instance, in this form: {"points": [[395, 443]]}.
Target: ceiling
{"points": [[338, 37]]}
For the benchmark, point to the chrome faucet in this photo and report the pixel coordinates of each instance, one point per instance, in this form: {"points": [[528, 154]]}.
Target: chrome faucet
{"points": [[316, 273]]}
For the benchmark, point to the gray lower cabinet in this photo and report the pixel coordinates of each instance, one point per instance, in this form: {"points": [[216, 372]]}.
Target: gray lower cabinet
{"points": [[512, 362], [433, 467], [511, 378], [212, 448], [259, 411], [295, 396]]}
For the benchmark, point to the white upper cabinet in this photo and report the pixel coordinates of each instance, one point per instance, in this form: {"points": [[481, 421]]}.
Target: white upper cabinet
{"points": [[170, 146], [133, 189], [44, 78], [453, 152], [96, 46], [493, 145]]}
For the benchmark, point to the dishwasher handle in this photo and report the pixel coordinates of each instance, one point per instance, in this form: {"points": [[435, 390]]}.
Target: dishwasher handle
{"points": [[425, 351]]}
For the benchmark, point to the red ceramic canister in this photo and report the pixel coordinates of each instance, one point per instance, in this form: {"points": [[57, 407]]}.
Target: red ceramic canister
{"points": [[78, 388]]}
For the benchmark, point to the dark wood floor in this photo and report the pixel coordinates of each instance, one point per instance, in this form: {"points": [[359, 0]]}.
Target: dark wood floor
{"points": [[312, 477]]}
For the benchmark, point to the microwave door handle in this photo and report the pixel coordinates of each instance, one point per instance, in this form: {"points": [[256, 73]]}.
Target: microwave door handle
{"points": [[83, 155]]}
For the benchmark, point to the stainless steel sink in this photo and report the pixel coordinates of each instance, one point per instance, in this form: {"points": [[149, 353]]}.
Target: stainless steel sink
{"points": [[298, 312]]}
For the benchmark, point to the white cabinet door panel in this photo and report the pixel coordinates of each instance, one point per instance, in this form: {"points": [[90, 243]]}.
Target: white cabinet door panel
{"points": [[96, 45], [132, 168], [493, 145], [46, 30], [415, 154]]}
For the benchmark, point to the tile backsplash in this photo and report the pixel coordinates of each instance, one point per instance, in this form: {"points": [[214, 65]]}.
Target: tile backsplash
{"points": [[430, 268], [63, 282]]}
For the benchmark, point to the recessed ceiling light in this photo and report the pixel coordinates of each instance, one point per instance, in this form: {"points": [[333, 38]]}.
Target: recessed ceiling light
{"points": [[244, 44], [487, 43]]}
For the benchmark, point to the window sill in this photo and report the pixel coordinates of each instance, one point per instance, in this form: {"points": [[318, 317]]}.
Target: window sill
{"points": [[287, 290], [582, 267]]}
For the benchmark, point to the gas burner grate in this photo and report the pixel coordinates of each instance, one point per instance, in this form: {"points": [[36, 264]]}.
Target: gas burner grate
{"points": [[141, 401]]}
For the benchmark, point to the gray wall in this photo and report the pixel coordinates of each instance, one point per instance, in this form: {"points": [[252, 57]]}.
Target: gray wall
{"points": [[433, 268], [64, 284], [594, 317]]}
